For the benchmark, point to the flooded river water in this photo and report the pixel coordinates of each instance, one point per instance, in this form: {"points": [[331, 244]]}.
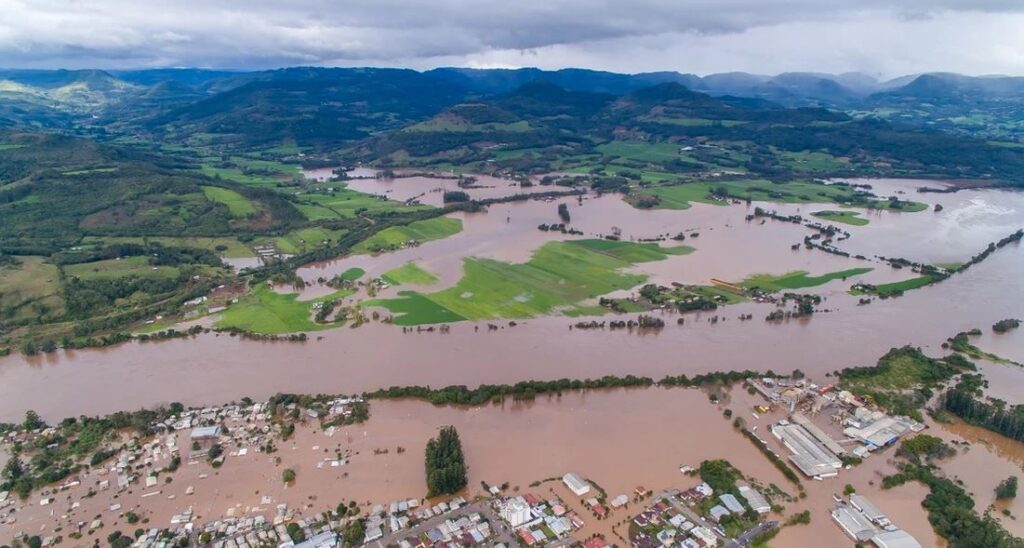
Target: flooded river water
{"points": [[216, 368], [619, 438]]}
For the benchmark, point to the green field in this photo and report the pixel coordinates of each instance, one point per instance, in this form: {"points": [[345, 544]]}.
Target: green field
{"points": [[797, 279], [761, 190], [845, 217], [344, 203], [557, 276], [304, 239], [409, 273], [117, 268], [248, 171], [420, 231], [225, 247], [239, 206], [352, 274], [265, 311], [30, 288], [641, 151], [894, 288]]}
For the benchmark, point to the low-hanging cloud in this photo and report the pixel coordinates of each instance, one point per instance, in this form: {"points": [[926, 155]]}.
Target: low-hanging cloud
{"points": [[688, 35]]}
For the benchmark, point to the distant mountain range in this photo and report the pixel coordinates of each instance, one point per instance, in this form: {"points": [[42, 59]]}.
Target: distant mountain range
{"points": [[358, 102]]}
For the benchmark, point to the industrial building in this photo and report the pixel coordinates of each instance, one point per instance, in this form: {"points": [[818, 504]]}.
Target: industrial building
{"points": [[853, 523], [870, 511], [576, 484], [809, 455], [895, 539], [755, 500], [818, 434]]}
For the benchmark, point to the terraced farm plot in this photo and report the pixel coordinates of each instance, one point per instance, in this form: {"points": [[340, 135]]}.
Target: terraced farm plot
{"points": [[419, 231], [409, 273], [798, 279], [118, 268], [846, 217], [267, 312], [558, 275], [239, 206]]}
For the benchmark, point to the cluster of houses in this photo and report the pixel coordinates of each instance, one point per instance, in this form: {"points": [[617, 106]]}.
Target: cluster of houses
{"points": [[664, 524], [465, 531], [140, 465], [402, 514], [537, 521]]}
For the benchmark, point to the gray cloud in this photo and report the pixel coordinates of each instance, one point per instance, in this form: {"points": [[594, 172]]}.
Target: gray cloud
{"points": [[687, 35]]}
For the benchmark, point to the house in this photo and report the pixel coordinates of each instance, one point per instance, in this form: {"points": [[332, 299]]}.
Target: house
{"points": [[718, 512], [205, 433], [705, 536], [619, 501], [576, 484], [373, 533]]}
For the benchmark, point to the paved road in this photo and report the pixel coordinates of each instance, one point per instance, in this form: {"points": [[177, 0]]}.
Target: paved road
{"points": [[501, 530], [748, 536]]}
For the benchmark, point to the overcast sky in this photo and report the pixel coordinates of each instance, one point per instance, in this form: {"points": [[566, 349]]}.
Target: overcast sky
{"points": [[880, 37]]}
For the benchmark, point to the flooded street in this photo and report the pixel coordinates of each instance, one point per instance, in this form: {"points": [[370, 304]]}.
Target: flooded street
{"points": [[619, 439]]}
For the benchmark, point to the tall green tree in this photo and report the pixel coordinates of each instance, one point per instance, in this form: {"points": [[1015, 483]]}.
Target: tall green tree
{"points": [[445, 463]]}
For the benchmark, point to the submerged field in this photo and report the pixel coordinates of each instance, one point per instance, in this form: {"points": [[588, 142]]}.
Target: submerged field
{"points": [[846, 217], [558, 276]]}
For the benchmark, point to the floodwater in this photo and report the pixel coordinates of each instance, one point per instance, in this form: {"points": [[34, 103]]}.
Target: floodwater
{"points": [[987, 460], [216, 368], [620, 439]]}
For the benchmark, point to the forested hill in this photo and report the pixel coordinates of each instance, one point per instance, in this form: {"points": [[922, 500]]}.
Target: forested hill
{"points": [[542, 127]]}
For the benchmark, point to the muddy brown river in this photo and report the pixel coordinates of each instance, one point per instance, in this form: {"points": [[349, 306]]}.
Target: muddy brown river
{"points": [[217, 368], [606, 435]]}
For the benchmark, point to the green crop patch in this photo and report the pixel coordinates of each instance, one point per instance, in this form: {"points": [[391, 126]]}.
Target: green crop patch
{"points": [[395, 237], [239, 206], [558, 276], [267, 312], [798, 279], [409, 273]]}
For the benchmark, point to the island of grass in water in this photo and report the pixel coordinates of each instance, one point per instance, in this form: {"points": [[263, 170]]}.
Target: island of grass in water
{"points": [[559, 275]]}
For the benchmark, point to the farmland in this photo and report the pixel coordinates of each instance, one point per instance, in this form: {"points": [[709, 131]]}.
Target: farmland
{"points": [[558, 276]]}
